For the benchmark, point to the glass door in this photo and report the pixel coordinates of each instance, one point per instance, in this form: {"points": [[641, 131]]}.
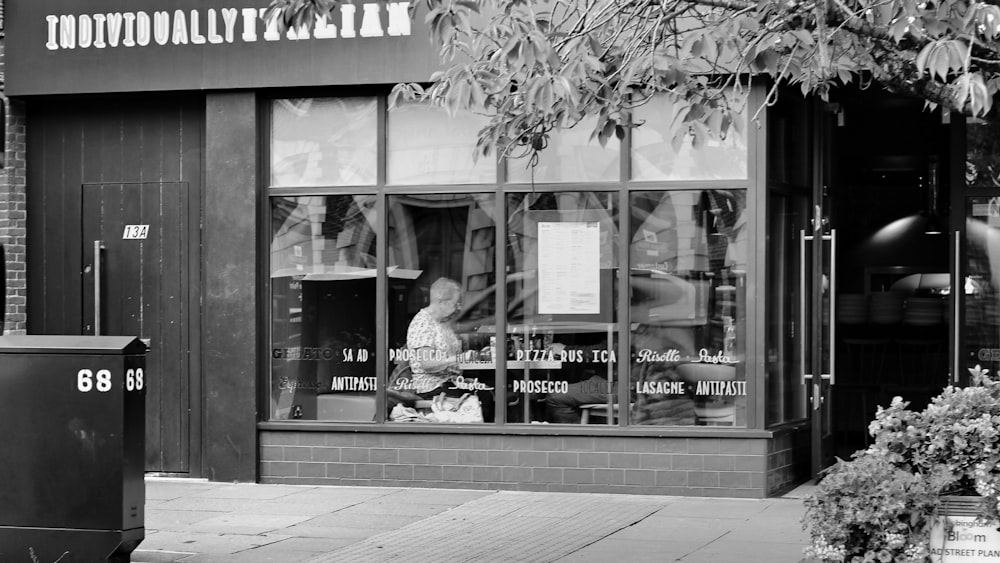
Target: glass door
{"points": [[819, 290], [976, 307]]}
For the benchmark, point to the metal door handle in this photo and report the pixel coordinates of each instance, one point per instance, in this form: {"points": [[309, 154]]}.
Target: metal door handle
{"points": [[833, 306], [803, 301], [98, 258], [957, 289]]}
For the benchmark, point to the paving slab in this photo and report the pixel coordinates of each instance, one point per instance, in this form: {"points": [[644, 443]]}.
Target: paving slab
{"points": [[200, 522], [159, 556], [178, 520], [249, 524], [503, 527], [200, 542], [252, 491]]}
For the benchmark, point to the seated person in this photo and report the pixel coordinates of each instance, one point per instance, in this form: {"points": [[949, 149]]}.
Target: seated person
{"points": [[658, 408], [586, 378], [435, 351]]}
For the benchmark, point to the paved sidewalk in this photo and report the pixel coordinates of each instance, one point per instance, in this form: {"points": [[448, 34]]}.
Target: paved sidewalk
{"points": [[190, 520]]}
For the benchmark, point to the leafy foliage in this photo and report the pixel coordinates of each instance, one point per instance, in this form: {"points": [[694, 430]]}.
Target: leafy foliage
{"points": [[880, 505], [534, 66], [870, 510]]}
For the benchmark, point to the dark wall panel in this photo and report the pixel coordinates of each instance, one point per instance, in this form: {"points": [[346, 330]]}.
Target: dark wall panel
{"points": [[230, 262]]}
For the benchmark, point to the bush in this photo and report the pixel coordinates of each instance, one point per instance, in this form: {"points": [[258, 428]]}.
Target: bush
{"points": [[880, 505]]}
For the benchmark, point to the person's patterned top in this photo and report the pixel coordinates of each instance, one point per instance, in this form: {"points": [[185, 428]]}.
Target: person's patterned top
{"points": [[430, 339]]}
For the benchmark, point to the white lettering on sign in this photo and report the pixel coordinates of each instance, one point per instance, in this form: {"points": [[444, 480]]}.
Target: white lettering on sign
{"points": [[660, 387], [218, 26], [135, 232], [85, 380], [540, 386], [133, 379]]}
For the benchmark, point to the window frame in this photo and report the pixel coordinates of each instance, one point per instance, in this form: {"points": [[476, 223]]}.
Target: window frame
{"points": [[753, 184]]}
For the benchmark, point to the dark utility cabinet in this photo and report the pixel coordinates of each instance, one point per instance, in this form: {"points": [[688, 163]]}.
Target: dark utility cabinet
{"points": [[72, 439]]}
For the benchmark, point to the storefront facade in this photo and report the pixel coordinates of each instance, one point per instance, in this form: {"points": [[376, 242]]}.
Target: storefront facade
{"points": [[636, 318]]}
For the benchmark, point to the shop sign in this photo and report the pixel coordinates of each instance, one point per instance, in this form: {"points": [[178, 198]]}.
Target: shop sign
{"points": [[216, 27], [963, 539], [989, 354], [72, 46]]}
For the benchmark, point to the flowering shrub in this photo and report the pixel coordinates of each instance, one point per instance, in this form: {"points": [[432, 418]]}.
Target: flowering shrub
{"points": [[880, 505]]}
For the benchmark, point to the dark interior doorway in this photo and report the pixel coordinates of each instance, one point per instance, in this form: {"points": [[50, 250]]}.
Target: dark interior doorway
{"points": [[888, 198]]}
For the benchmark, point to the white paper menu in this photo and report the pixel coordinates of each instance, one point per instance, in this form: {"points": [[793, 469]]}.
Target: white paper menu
{"points": [[569, 262]]}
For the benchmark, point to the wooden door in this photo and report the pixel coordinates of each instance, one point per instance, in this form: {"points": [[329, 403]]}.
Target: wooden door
{"points": [[140, 253]]}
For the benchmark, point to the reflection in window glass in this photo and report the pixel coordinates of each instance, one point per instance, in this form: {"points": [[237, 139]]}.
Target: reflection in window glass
{"points": [[982, 289], [561, 316], [427, 146], [323, 308], [784, 390], [323, 142], [441, 307], [571, 156], [687, 261], [655, 157], [982, 154]]}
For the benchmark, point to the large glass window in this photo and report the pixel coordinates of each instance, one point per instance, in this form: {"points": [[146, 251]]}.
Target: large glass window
{"points": [[323, 308], [571, 156], [562, 326], [561, 332], [687, 259], [323, 142], [428, 146], [441, 307], [662, 148]]}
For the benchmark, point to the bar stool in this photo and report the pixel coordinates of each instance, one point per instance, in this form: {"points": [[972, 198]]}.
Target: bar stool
{"points": [[598, 410]]}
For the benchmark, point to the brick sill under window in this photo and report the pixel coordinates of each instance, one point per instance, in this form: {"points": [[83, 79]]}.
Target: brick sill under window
{"points": [[518, 430]]}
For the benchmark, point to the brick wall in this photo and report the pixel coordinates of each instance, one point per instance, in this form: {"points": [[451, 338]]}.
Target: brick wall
{"points": [[788, 459], [725, 467], [13, 206]]}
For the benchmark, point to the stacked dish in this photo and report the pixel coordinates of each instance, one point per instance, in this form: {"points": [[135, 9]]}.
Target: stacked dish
{"points": [[923, 311], [852, 308], [886, 308]]}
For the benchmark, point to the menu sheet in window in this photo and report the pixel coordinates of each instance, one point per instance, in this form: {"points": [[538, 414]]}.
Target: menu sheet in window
{"points": [[569, 256]]}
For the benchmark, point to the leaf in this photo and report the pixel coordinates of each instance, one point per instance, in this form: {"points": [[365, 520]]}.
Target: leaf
{"points": [[662, 62], [767, 61], [595, 45], [691, 46], [710, 48], [749, 24], [714, 122], [921, 61], [938, 62], [956, 54], [468, 4], [803, 36], [606, 132]]}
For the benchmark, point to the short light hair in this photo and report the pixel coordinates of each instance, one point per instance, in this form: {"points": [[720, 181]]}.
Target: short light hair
{"points": [[443, 289]]}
